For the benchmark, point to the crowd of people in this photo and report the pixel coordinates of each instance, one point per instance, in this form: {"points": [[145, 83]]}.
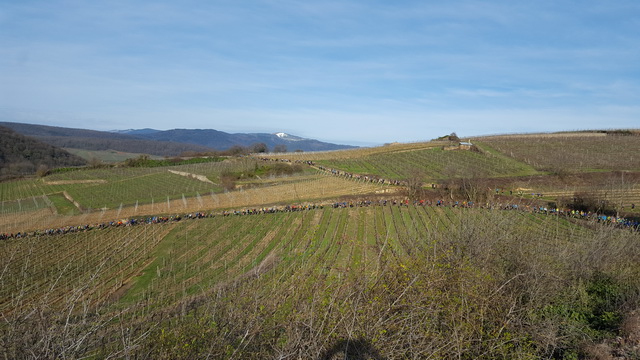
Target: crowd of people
{"points": [[272, 210], [619, 221], [104, 225], [307, 162], [365, 178], [336, 172]]}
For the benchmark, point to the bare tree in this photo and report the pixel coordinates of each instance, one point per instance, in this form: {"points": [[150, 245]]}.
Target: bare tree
{"points": [[280, 148], [415, 181], [236, 150], [259, 148], [43, 170], [96, 162], [473, 186], [619, 185], [469, 185], [453, 137]]}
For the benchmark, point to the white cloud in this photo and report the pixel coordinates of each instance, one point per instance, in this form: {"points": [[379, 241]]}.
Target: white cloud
{"points": [[376, 69]]}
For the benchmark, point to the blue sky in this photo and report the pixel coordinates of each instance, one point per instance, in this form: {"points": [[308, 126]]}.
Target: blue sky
{"points": [[351, 71]]}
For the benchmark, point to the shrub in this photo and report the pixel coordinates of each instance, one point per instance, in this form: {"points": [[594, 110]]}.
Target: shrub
{"points": [[43, 170]]}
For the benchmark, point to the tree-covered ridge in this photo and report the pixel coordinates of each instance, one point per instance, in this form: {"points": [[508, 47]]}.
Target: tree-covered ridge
{"points": [[166, 143], [102, 140], [21, 155]]}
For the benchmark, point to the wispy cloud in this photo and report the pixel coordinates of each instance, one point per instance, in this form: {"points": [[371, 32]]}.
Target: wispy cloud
{"points": [[371, 68]]}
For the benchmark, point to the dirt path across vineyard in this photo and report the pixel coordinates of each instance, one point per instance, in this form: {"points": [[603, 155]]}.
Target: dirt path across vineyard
{"points": [[71, 182], [194, 176]]}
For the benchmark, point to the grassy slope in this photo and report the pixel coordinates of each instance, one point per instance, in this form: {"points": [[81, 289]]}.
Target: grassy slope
{"points": [[116, 188], [572, 153], [96, 188], [435, 163], [603, 167], [359, 152]]}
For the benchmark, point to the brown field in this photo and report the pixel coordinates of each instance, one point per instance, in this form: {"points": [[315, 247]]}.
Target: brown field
{"points": [[575, 153], [546, 135], [356, 153]]}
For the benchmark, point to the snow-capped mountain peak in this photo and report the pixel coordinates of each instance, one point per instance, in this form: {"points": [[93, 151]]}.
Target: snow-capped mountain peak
{"points": [[287, 137]]}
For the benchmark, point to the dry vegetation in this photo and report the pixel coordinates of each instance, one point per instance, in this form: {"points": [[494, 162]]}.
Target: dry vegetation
{"points": [[571, 152], [260, 193], [389, 282], [357, 153], [435, 164]]}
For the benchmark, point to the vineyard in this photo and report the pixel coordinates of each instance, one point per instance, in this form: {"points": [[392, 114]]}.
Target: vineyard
{"points": [[434, 163], [358, 153], [111, 187], [375, 273], [289, 259], [573, 153], [296, 189], [91, 190], [620, 196]]}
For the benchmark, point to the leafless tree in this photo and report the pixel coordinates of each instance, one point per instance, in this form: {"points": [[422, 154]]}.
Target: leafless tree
{"points": [[415, 183], [259, 148], [280, 148]]}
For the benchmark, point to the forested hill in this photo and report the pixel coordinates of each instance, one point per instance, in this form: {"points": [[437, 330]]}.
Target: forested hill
{"points": [[21, 155], [102, 140], [166, 143]]}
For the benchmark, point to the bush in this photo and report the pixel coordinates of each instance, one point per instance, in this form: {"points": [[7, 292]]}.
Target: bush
{"points": [[228, 180], [588, 202], [146, 161], [43, 170]]}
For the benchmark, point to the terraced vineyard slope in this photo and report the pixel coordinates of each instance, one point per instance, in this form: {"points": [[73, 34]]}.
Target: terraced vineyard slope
{"points": [[571, 151], [435, 163]]}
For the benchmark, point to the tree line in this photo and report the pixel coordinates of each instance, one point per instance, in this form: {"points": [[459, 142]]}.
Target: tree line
{"points": [[238, 150], [21, 156]]}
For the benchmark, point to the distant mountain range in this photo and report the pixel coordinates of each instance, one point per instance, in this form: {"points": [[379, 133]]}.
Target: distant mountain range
{"points": [[100, 140], [221, 140], [164, 143]]}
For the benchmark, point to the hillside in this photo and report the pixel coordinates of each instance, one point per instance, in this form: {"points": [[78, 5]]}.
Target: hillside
{"points": [[422, 250], [165, 143], [572, 152], [101, 140], [21, 155], [391, 280]]}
